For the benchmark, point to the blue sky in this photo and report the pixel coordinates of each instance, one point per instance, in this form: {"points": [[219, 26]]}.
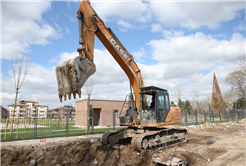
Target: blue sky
{"points": [[172, 42]]}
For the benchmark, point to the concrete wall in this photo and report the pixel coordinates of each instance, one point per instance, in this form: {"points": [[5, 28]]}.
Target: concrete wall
{"points": [[106, 114]]}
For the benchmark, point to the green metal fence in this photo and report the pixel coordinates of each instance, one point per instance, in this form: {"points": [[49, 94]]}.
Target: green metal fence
{"points": [[196, 117], [37, 128]]}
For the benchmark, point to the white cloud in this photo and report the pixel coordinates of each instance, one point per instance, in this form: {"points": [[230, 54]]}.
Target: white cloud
{"points": [[241, 26], [197, 47], [137, 10], [195, 14], [72, 19], [23, 26], [156, 28], [67, 30], [139, 55], [124, 25]]}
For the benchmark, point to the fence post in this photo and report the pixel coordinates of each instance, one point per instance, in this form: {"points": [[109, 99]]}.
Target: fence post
{"points": [[232, 114], [220, 115], [67, 123], [186, 118], [213, 115], [239, 112], [209, 112], [36, 124], [226, 115], [204, 116], [114, 120], [196, 116], [92, 121]]}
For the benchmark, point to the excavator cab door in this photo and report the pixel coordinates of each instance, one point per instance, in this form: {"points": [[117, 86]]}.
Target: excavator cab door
{"points": [[162, 106]]}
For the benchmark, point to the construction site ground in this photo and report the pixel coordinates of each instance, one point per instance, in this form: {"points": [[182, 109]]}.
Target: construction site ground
{"points": [[208, 144]]}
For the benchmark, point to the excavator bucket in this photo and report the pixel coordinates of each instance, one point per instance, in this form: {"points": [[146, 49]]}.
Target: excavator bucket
{"points": [[71, 76]]}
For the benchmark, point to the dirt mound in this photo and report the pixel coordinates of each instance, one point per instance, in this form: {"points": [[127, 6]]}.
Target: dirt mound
{"points": [[81, 152]]}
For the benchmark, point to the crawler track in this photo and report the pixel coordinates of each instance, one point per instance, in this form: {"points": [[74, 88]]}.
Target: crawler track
{"points": [[162, 137], [148, 139]]}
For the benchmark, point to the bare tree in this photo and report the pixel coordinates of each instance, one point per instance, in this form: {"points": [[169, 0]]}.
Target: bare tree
{"points": [[178, 92], [237, 79], [204, 103], [20, 68], [87, 89], [195, 98], [145, 78], [229, 97]]}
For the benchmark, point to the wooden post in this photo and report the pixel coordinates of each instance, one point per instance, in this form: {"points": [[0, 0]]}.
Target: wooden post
{"points": [[11, 128], [17, 122], [6, 129]]}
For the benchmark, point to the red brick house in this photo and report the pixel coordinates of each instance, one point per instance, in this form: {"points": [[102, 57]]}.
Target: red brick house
{"points": [[103, 111]]}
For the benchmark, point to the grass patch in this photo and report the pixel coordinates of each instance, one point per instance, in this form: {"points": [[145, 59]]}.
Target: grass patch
{"points": [[49, 130]]}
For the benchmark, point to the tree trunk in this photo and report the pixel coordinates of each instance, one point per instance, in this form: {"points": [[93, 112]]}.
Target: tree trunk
{"points": [[16, 93]]}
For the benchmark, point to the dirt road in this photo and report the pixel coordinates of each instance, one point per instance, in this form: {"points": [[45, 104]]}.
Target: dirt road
{"points": [[208, 144]]}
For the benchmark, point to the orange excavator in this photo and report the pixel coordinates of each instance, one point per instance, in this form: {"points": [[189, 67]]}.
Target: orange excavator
{"points": [[145, 118]]}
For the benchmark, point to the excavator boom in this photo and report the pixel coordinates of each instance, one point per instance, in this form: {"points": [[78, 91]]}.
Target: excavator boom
{"points": [[71, 75]]}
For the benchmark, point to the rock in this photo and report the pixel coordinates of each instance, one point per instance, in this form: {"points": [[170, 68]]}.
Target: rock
{"points": [[94, 161], [208, 160], [33, 163], [211, 140], [175, 161]]}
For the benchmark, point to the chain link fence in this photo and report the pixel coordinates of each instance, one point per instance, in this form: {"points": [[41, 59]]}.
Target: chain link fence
{"points": [[196, 117]]}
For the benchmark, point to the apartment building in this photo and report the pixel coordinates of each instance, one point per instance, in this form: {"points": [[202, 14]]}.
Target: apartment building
{"points": [[28, 109], [4, 112], [65, 111]]}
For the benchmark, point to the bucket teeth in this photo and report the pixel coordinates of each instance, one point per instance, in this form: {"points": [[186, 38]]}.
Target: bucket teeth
{"points": [[79, 93], [71, 76], [60, 97]]}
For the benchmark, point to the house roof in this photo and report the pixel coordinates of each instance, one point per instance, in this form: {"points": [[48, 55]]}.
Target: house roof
{"points": [[40, 105], [17, 105], [30, 101]]}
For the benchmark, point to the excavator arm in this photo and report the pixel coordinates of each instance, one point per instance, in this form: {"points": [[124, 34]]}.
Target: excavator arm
{"points": [[144, 126], [72, 74]]}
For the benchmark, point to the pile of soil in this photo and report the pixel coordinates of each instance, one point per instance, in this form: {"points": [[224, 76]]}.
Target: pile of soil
{"points": [[206, 145]]}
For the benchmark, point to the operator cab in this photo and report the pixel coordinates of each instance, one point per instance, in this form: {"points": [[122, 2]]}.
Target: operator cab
{"points": [[158, 97]]}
